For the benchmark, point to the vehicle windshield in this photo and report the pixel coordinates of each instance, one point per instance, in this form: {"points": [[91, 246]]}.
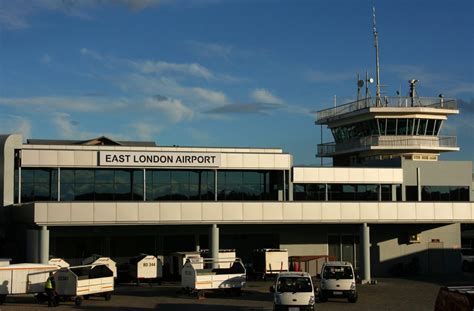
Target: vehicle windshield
{"points": [[468, 252], [338, 272], [294, 284]]}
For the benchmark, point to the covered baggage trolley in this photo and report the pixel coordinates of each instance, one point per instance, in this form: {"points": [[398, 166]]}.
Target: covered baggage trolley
{"points": [[145, 267], [79, 282], [100, 260], [270, 261], [198, 280], [175, 262], [61, 263], [23, 278]]}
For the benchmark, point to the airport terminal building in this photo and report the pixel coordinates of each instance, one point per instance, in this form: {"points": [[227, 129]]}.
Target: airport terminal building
{"points": [[387, 199]]}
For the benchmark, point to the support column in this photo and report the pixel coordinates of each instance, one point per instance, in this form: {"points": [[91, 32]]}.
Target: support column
{"points": [[418, 182], [214, 243], [32, 246], [196, 242], [44, 245], [365, 253]]}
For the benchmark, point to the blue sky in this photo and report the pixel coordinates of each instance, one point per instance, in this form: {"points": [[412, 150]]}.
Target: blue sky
{"points": [[222, 72]]}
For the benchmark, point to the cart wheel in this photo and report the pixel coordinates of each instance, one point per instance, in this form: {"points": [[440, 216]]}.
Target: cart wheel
{"points": [[200, 294], [78, 301], [108, 296], [40, 297], [2, 299], [237, 291]]}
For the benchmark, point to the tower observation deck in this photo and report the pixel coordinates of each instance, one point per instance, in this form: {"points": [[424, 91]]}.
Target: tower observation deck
{"points": [[377, 129]]}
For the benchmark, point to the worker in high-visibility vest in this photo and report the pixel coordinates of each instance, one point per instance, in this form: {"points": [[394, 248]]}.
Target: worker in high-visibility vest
{"points": [[50, 288]]}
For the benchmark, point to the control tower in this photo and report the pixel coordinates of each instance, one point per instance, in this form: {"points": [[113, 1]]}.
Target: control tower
{"points": [[383, 128]]}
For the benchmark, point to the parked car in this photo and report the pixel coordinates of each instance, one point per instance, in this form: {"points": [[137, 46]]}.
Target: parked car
{"points": [[293, 291], [337, 279], [467, 255]]}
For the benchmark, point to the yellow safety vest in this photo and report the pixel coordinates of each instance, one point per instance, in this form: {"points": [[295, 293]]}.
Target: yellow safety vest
{"points": [[48, 284]]}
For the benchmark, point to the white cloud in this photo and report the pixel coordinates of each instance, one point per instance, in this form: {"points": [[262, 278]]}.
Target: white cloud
{"points": [[211, 49], [146, 131], [209, 95], [191, 69], [15, 124], [64, 125], [67, 103], [90, 53], [197, 97], [173, 108], [265, 96], [69, 129]]}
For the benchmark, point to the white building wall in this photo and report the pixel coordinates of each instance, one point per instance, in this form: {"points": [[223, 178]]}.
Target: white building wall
{"points": [[103, 213], [347, 175], [85, 158]]}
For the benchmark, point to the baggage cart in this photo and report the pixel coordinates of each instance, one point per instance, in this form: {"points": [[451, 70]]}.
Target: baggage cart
{"points": [[100, 260], [199, 280], [81, 282], [23, 278], [270, 261], [175, 262], [145, 267], [61, 263]]}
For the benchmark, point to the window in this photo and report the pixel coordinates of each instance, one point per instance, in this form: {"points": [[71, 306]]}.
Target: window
{"points": [[391, 126], [345, 248], [101, 185], [309, 192], [249, 185], [444, 193], [402, 127], [39, 184], [422, 127], [430, 127], [411, 193], [179, 185]]}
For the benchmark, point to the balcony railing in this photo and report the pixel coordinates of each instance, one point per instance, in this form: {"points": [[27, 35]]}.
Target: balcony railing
{"points": [[401, 102], [364, 143]]}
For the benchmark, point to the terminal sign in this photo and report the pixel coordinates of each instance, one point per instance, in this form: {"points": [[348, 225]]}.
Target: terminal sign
{"points": [[159, 159]]}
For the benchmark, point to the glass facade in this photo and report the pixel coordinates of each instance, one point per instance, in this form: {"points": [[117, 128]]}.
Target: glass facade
{"points": [[161, 185], [179, 185], [41, 184], [38, 184], [249, 185], [101, 184], [345, 248], [444, 193], [438, 193], [342, 192], [387, 126], [309, 192]]}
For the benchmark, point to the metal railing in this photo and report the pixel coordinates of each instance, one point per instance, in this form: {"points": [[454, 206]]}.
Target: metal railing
{"points": [[400, 102], [365, 143]]}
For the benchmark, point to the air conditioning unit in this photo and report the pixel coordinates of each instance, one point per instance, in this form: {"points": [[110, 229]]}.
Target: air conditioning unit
{"points": [[414, 238]]}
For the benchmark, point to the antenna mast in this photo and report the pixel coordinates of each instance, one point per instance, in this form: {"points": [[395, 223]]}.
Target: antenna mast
{"points": [[377, 65]]}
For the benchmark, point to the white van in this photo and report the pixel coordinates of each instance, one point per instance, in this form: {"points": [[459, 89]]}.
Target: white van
{"points": [[293, 291], [337, 280]]}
